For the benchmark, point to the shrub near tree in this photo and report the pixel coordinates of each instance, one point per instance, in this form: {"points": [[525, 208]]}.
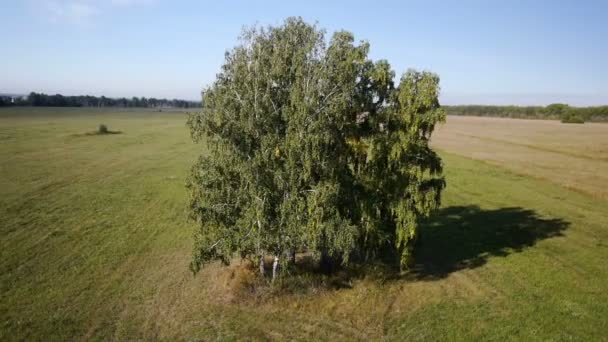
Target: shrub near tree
{"points": [[311, 147]]}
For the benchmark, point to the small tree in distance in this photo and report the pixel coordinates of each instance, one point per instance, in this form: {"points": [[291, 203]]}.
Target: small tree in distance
{"points": [[311, 147]]}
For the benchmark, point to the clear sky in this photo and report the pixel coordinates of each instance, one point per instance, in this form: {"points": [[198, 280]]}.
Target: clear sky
{"points": [[486, 52]]}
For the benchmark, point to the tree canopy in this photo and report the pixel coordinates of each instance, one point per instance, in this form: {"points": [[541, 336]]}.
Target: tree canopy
{"points": [[311, 146]]}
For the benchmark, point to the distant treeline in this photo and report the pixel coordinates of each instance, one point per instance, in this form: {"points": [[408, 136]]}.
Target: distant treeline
{"points": [[44, 100], [557, 111]]}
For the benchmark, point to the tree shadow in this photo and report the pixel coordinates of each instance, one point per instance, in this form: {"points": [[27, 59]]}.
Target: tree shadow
{"points": [[96, 133], [452, 239], [103, 133], [464, 237]]}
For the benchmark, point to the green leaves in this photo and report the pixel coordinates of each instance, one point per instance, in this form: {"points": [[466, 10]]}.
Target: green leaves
{"points": [[311, 147]]}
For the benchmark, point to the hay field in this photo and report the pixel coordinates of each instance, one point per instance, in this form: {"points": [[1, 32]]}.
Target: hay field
{"points": [[572, 155]]}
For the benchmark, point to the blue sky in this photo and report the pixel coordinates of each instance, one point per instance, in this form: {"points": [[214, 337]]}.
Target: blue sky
{"points": [[486, 52]]}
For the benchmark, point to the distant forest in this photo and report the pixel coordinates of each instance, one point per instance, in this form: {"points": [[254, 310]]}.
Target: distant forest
{"points": [[557, 111], [44, 100]]}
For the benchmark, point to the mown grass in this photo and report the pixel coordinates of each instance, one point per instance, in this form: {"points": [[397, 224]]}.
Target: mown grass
{"points": [[574, 156], [96, 244]]}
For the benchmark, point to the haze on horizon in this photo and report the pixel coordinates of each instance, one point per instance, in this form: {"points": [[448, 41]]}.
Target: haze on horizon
{"points": [[519, 52]]}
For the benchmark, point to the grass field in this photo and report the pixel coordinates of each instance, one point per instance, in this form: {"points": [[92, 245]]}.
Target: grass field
{"points": [[96, 244]]}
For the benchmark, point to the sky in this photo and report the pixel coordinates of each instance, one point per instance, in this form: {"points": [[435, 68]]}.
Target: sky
{"points": [[485, 52]]}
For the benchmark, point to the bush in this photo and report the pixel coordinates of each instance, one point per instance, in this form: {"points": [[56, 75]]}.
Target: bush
{"points": [[573, 119], [571, 116], [103, 129]]}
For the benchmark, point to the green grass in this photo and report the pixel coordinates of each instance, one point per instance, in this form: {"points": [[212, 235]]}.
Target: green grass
{"points": [[96, 244]]}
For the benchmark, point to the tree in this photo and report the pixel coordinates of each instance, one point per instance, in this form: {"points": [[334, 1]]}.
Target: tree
{"points": [[557, 109], [402, 175], [310, 146]]}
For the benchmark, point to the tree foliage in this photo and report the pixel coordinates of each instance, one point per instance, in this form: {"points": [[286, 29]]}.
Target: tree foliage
{"points": [[310, 146]]}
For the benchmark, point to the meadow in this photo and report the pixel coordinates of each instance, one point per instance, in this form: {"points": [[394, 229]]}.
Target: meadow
{"points": [[96, 241]]}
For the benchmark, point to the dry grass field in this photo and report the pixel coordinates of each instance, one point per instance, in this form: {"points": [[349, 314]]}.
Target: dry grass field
{"points": [[96, 242], [572, 155]]}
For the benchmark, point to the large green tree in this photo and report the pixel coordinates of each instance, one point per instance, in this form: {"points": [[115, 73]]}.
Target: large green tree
{"points": [[310, 146]]}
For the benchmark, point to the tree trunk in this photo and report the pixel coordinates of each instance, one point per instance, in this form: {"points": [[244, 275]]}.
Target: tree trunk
{"points": [[275, 268], [292, 257], [262, 265], [326, 264]]}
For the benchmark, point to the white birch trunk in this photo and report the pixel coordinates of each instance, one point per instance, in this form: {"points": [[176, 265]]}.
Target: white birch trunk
{"points": [[262, 265], [275, 268]]}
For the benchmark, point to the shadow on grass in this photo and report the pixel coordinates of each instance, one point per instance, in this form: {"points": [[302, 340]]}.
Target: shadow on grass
{"points": [[464, 237], [452, 239], [103, 133], [96, 133]]}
